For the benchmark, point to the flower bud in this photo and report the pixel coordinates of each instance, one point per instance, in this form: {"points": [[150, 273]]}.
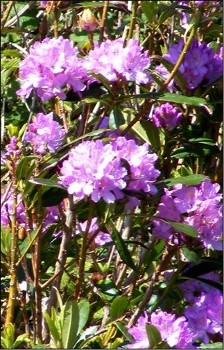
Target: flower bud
{"points": [[88, 21]]}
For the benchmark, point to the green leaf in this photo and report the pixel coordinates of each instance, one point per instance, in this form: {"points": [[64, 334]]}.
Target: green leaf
{"points": [[155, 252], [27, 243], [153, 335], [45, 182], [53, 330], [217, 345], [123, 330], [25, 167], [5, 241], [121, 247], [176, 98], [107, 289], [83, 314], [190, 255], [184, 228], [20, 339], [12, 53], [148, 132], [103, 80], [70, 325], [149, 9], [170, 97], [116, 118], [190, 180], [168, 12], [7, 336], [118, 307]]}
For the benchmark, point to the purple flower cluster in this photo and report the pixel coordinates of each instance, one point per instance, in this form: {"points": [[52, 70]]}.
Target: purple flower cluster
{"points": [[43, 3], [44, 134], [100, 237], [98, 170], [201, 65], [7, 210], [50, 67], [174, 330], [198, 206], [166, 116], [114, 61], [204, 312], [12, 151]]}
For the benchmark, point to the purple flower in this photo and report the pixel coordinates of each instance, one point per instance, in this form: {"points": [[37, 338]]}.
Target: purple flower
{"points": [[201, 65], [43, 3], [92, 170], [193, 289], [205, 315], [50, 67], [44, 134], [7, 211], [114, 61], [103, 170], [207, 219], [139, 334], [101, 237], [142, 173], [166, 116], [12, 150], [166, 210], [201, 208], [174, 330]]}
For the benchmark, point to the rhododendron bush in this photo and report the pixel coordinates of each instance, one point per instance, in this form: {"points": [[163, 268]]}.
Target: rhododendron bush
{"points": [[111, 158]]}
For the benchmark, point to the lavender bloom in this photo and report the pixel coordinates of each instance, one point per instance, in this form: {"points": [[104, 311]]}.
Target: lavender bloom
{"points": [[174, 330], [205, 315], [7, 211], [96, 169], [12, 150], [166, 116], [44, 134], [142, 173], [43, 3], [201, 65], [51, 66], [101, 238], [139, 334], [202, 206], [51, 215], [207, 219], [114, 61], [193, 289], [92, 170], [162, 229]]}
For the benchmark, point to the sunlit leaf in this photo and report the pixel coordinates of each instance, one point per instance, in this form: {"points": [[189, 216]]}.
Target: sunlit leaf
{"points": [[121, 247], [70, 325], [118, 307]]}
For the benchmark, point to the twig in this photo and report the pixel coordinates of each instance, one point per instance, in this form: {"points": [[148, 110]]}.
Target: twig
{"points": [[13, 255], [6, 14], [181, 57], [20, 13], [166, 259], [133, 18], [62, 255], [103, 20]]}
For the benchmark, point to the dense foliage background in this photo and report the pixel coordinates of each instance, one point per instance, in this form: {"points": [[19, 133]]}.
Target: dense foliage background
{"points": [[111, 157]]}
